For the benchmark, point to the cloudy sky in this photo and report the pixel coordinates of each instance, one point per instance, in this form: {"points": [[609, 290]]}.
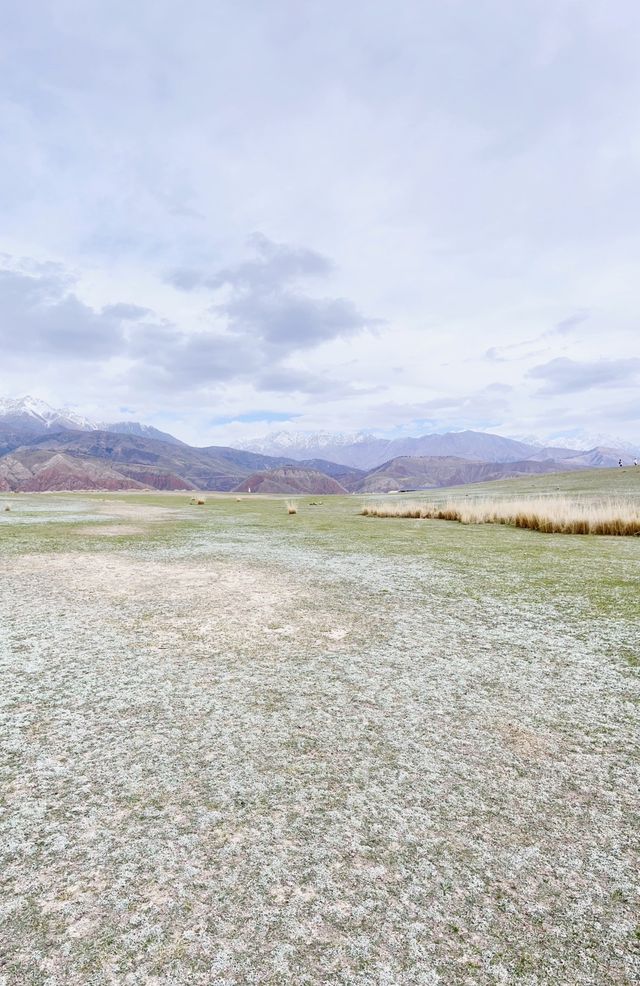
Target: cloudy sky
{"points": [[226, 217]]}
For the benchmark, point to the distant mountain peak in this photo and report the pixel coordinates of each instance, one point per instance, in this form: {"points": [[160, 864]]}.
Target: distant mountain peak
{"points": [[302, 440], [585, 442], [367, 451], [32, 416], [32, 409], [143, 431]]}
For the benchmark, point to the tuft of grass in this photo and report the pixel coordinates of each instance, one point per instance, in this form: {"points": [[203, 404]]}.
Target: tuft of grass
{"points": [[552, 515], [292, 507]]}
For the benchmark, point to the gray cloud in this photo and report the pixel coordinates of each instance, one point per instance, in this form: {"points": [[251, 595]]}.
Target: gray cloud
{"points": [[291, 321], [277, 264], [489, 399], [472, 174], [482, 407], [185, 278], [514, 352], [288, 380], [263, 304], [193, 359], [625, 411], [569, 324], [129, 313], [563, 376], [41, 316]]}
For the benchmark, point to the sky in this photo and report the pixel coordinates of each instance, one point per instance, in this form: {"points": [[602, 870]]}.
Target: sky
{"points": [[228, 217]]}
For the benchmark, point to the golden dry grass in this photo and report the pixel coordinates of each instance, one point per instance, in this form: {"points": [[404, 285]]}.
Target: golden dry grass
{"points": [[551, 515]]}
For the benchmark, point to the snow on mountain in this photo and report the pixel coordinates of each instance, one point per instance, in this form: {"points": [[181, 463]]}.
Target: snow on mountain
{"points": [[37, 415], [357, 449], [291, 441], [28, 416], [585, 442], [143, 431], [367, 451]]}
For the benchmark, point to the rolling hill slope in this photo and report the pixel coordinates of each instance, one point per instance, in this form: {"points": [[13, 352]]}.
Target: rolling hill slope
{"points": [[99, 459], [292, 480], [425, 472], [146, 461], [42, 470]]}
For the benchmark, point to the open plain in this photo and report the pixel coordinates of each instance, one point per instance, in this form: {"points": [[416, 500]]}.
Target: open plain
{"points": [[241, 746]]}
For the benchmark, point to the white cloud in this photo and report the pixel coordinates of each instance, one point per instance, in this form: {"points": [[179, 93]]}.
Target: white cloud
{"points": [[464, 176]]}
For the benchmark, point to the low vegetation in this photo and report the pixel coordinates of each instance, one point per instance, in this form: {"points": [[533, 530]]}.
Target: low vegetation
{"points": [[551, 515], [240, 747]]}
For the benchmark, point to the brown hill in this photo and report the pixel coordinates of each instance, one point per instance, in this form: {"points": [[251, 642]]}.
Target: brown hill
{"points": [[290, 479], [39, 470], [145, 459], [428, 472], [212, 468]]}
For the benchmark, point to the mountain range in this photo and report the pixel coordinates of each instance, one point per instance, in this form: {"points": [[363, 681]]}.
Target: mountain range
{"points": [[29, 416], [367, 451], [43, 448]]}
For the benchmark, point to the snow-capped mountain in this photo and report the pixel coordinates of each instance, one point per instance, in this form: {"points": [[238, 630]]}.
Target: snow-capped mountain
{"points": [[28, 417], [142, 431], [368, 451], [289, 441], [584, 442], [357, 449], [38, 416]]}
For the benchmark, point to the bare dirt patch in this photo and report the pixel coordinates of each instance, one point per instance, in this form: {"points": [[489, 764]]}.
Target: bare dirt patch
{"points": [[110, 530]]}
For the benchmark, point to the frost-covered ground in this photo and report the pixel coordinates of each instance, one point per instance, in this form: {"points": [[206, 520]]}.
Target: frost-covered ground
{"points": [[240, 747]]}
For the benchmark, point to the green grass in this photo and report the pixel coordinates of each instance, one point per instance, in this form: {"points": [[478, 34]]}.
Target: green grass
{"points": [[600, 482], [240, 747]]}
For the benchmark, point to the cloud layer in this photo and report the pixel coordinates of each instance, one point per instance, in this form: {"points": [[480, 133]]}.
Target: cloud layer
{"points": [[567, 376], [249, 334], [446, 196]]}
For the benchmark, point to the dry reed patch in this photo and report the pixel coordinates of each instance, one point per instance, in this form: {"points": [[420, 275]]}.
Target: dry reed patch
{"points": [[550, 515]]}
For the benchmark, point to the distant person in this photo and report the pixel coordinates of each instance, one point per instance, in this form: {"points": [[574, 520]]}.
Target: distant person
{"points": [[635, 462], [620, 463]]}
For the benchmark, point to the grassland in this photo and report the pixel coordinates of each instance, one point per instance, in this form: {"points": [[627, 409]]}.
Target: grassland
{"points": [[242, 746]]}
